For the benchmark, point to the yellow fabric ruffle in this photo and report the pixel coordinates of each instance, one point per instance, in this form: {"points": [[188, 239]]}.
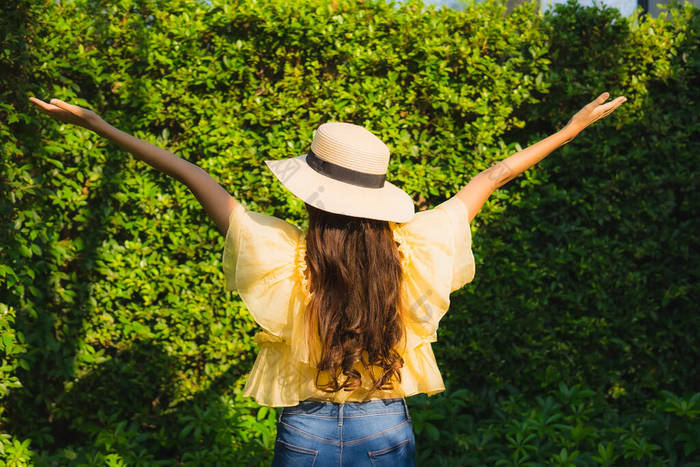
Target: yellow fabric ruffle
{"points": [[264, 259]]}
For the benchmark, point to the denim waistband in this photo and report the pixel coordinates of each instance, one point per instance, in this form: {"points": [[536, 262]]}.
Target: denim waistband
{"points": [[348, 409]]}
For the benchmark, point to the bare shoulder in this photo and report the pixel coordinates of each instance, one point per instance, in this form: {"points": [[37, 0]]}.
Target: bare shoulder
{"points": [[475, 193]]}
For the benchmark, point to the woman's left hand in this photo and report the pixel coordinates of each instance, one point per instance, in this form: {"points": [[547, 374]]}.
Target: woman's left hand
{"points": [[593, 112], [68, 113]]}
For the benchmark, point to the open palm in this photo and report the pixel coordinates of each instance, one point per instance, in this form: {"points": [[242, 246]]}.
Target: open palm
{"points": [[67, 113], [594, 111]]}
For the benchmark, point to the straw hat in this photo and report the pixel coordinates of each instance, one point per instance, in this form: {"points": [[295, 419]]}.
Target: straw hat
{"points": [[344, 172]]}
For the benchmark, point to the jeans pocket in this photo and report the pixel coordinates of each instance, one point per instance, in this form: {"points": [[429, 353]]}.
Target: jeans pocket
{"points": [[289, 455], [400, 454]]}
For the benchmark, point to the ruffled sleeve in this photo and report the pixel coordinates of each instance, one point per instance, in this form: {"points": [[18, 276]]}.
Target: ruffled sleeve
{"points": [[438, 259], [463, 268], [259, 261]]}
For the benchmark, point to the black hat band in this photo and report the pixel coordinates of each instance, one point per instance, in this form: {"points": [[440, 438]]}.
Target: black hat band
{"points": [[343, 174]]}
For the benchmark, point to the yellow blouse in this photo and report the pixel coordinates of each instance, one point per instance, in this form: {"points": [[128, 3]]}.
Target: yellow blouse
{"points": [[263, 259]]}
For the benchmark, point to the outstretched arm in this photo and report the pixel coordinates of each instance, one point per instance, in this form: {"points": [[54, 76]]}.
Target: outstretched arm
{"points": [[479, 188], [215, 200]]}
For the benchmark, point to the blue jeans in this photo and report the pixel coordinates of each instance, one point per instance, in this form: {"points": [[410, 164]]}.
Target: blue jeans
{"points": [[373, 433]]}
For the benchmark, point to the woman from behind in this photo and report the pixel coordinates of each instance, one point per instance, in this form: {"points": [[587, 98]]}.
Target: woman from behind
{"points": [[349, 308]]}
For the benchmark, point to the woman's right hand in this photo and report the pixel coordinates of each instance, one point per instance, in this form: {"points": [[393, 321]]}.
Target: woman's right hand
{"points": [[68, 113]]}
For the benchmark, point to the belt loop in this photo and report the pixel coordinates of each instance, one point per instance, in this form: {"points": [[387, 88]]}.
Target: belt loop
{"points": [[279, 419], [405, 406], [340, 414]]}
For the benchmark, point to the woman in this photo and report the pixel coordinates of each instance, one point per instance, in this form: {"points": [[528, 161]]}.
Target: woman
{"points": [[350, 308]]}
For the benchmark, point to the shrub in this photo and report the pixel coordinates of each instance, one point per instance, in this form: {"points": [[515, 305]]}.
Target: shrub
{"points": [[125, 349]]}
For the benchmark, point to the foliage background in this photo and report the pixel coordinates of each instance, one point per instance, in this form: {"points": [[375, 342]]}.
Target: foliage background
{"points": [[576, 344]]}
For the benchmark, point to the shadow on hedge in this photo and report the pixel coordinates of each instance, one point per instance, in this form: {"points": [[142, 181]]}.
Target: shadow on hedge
{"points": [[128, 402], [579, 211]]}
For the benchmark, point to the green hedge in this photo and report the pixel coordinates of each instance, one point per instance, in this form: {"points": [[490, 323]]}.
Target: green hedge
{"points": [[575, 344]]}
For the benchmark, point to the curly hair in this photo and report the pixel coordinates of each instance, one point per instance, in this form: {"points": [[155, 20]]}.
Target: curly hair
{"points": [[355, 273]]}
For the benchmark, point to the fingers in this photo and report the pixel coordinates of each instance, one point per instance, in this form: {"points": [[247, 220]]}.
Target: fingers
{"points": [[598, 100], [603, 97], [608, 108], [597, 106], [44, 107], [618, 100], [41, 104], [74, 109], [47, 107], [612, 105]]}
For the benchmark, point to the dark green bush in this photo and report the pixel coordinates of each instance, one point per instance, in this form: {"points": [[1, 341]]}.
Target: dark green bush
{"points": [[566, 426], [590, 278], [575, 344]]}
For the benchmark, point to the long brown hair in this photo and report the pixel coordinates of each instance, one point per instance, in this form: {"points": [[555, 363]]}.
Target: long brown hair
{"points": [[355, 308]]}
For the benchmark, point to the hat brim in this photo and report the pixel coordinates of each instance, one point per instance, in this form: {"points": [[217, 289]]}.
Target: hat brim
{"points": [[389, 203]]}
